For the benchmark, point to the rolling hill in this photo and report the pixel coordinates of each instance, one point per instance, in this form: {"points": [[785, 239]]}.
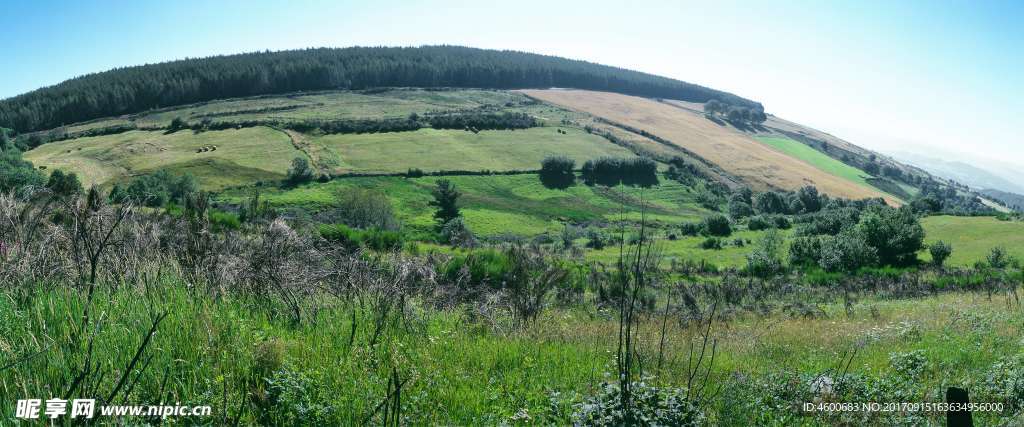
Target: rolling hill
{"points": [[440, 110], [136, 89]]}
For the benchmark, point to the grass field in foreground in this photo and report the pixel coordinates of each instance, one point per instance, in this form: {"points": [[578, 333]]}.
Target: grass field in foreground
{"points": [[973, 237], [241, 156], [500, 204], [433, 149], [211, 351]]}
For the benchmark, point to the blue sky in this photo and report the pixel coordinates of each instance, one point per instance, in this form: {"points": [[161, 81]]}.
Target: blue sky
{"points": [[936, 77]]}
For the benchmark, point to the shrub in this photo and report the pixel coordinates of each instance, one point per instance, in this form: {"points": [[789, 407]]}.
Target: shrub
{"points": [[997, 258], [414, 173], [809, 198], [596, 239], [764, 222], [910, 364], [805, 251], [458, 234], [650, 405], [177, 124], [150, 190], [711, 243], [300, 172], [765, 261], [298, 399], [340, 234], [556, 172], [770, 202], [940, 251], [482, 267], [64, 184], [717, 225], [830, 221], [690, 228], [222, 221], [382, 240], [846, 252], [739, 209], [365, 209], [17, 173], [895, 234]]}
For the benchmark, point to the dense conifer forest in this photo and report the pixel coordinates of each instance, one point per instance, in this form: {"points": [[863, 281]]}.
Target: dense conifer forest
{"points": [[134, 89]]}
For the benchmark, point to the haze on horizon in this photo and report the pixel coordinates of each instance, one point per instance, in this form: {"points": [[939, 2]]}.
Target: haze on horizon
{"points": [[940, 80]]}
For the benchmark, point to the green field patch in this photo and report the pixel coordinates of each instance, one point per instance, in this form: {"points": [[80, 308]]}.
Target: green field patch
{"points": [[494, 204], [973, 237], [434, 150], [217, 158], [687, 248], [335, 105], [821, 161]]}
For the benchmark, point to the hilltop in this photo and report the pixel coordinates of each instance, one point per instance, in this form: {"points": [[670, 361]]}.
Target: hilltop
{"points": [[135, 89]]}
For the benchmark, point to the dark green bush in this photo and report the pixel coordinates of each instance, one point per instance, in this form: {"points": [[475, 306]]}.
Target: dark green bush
{"points": [[764, 222], [895, 234], [711, 243], [690, 228], [556, 172], [717, 225], [940, 251]]}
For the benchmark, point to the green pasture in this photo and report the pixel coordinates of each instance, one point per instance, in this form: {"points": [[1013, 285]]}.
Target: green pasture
{"points": [[217, 158], [444, 149]]}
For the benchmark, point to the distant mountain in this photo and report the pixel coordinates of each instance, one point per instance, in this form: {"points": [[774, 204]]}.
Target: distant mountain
{"points": [[1011, 200], [962, 172]]}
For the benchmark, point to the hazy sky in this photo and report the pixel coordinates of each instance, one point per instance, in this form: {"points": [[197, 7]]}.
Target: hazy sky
{"points": [[938, 77]]}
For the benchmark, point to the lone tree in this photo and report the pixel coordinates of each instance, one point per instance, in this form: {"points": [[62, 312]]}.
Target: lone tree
{"points": [[446, 198], [556, 172], [300, 172]]}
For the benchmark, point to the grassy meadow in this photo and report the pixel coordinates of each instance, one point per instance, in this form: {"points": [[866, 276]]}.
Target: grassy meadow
{"points": [[217, 158], [495, 205], [329, 105], [435, 150], [973, 237]]}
